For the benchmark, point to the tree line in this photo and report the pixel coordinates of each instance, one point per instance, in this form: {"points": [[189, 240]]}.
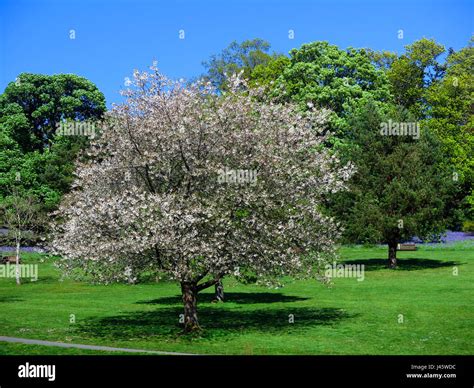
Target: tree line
{"points": [[414, 87]]}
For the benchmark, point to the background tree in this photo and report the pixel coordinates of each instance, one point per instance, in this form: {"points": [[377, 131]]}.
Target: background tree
{"points": [[30, 109], [21, 214], [441, 95], [382, 59], [450, 115], [400, 187], [266, 74], [236, 58], [22, 174], [413, 72], [151, 198], [325, 76], [32, 106]]}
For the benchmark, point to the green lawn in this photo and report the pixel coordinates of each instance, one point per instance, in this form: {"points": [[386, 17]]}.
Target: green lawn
{"points": [[350, 317], [40, 350]]}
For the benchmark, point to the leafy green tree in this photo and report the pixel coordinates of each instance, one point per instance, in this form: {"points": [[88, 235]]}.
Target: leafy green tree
{"points": [[32, 106], [382, 59], [235, 58], [22, 175], [267, 73], [400, 187], [322, 75], [450, 116], [326, 69], [33, 159], [413, 72]]}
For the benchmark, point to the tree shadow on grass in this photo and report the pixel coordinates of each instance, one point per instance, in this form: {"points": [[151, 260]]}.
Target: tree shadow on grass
{"points": [[217, 322], [41, 279], [230, 297], [409, 264], [10, 299]]}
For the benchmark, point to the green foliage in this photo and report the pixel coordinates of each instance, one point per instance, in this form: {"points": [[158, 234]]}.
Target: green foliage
{"points": [[399, 178], [325, 76], [32, 106], [450, 101], [266, 74], [437, 95], [468, 226], [381, 59], [42, 175], [235, 58], [413, 72], [33, 161], [22, 214]]}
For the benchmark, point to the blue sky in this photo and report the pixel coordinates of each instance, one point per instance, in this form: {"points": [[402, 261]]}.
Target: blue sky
{"points": [[114, 37]]}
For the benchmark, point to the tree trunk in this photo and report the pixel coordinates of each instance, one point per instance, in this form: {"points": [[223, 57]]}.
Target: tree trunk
{"points": [[392, 255], [189, 292], [219, 291], [17, 267]]}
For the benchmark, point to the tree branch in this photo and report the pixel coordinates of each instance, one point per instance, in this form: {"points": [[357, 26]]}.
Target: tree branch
{"points": [[209, 283]]}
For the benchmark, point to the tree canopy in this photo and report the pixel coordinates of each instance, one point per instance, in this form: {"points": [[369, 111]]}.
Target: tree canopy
{"points": [[401, 186], [162, 190], [35, 161], [237, 57], [32, 106]]}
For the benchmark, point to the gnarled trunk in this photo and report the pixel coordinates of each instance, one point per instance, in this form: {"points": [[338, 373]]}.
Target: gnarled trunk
{"points": [[189, 292], [392, 255]]}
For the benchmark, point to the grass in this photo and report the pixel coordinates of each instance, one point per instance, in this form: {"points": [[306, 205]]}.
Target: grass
{"points": [[11, 349], [420, 308]]}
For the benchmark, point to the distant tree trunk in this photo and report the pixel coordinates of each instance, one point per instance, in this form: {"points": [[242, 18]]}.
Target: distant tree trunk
{"points": [[17, 267], [392, 254], [219, 291], [189, 293]]}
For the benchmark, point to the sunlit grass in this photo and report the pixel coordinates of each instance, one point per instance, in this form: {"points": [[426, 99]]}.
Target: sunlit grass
{"points": [[421, 308]]}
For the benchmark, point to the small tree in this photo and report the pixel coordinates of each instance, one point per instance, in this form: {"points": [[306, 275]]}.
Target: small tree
{"points": [[20, 213], [200, 186]]}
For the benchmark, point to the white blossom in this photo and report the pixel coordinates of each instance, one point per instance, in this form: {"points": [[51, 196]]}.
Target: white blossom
{"points": [[149, 198]]}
